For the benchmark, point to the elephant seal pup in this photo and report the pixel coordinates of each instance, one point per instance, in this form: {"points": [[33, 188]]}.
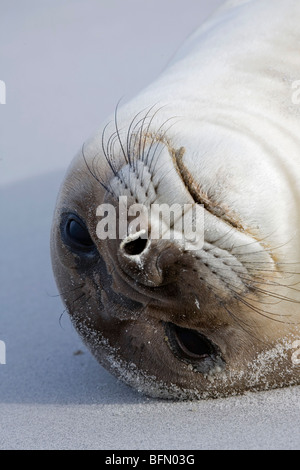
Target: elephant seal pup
{"points": [[218, 130]]}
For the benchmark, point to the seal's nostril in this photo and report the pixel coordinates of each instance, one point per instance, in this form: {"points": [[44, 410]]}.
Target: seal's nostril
{"points": [[135, 247]]}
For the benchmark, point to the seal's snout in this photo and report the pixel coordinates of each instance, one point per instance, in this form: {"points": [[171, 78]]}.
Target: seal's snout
{"points": [[148, 262]]}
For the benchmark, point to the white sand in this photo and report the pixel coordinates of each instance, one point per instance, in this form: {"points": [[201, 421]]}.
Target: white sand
{"points": [[62, 79]]}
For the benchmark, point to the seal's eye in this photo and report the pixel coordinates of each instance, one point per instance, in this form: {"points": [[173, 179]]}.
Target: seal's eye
{"points": [[76, 234], [79, 233], [192, 347], [191, 344]]}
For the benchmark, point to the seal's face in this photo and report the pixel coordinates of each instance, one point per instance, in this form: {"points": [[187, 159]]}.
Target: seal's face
{"points": [[169, 320]]}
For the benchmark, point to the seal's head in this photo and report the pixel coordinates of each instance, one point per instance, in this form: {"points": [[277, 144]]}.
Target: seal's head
{"points": [[173, 320]]}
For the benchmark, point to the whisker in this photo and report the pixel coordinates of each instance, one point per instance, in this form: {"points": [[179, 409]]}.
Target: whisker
{"points": [[129, 136], [229, 233], [60, 294], [142, 151], [276, 296], [60, 318], [111, 154], [241, 323], [118, 132], [93, 174], [159, 141], [102, 140], [255, 241], [265, 314], [267, 250]]}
